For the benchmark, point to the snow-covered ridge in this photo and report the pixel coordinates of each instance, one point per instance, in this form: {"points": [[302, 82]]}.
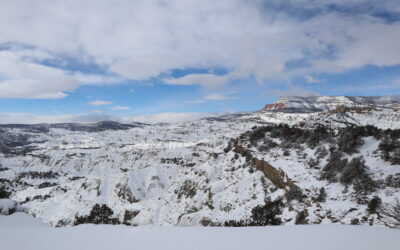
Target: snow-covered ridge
{"points": [[320, 103]]}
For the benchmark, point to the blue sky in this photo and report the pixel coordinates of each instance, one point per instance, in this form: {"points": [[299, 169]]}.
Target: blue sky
{"points": [[122, 60]]}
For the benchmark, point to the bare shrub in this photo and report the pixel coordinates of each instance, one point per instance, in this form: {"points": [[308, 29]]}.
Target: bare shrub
{"points": [[391, 212]]}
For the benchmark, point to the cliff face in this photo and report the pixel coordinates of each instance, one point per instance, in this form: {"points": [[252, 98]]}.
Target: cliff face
{"points": [[321, 103], [277, 176]]}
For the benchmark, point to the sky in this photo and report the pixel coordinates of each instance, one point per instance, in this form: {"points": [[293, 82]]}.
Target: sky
{"points": [[170, 61]]}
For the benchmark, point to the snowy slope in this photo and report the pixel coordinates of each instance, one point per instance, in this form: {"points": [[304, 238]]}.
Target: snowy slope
{"points": [[381, 117], [20, 232]]}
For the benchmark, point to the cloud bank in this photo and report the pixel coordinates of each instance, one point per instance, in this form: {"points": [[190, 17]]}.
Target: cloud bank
{"points": [[142, 39], [168, 117]]}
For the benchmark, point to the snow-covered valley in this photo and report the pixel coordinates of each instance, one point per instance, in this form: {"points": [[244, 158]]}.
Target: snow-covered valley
{"points": [[208, 172]]}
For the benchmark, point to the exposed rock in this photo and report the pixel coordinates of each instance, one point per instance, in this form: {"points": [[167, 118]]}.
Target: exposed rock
{"points": [[129, 215], [277, 176]]}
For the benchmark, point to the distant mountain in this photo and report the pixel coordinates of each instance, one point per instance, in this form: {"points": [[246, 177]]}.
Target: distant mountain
{"points": [[88, 127], [321, 103]]}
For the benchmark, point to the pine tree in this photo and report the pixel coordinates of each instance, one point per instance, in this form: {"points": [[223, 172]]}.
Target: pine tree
{"points": [[374, 204], [267, 214], [322, 195]]}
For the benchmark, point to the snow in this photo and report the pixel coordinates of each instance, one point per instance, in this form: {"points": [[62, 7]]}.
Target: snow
{"points": [[19, 221], [95, 168], [6, 205], [20, 232]]}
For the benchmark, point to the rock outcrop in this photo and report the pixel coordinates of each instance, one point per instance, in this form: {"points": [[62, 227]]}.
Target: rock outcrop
{"points": [[277, 176]]}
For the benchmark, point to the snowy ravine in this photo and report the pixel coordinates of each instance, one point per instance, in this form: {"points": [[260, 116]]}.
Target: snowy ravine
{"points": [[21, 232], [183, 174]]}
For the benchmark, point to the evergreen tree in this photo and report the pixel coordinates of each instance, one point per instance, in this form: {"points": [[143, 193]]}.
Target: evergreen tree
{"points": [[322, 195], [294, 193], [386, 146], [267, 214], [301, 218], [374, 204]]}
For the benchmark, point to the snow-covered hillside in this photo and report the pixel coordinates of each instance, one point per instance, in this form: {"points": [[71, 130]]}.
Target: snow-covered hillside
{"points": [[194, 173]]}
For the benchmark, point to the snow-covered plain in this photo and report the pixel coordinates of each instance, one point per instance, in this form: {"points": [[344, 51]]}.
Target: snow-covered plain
{"points": [[23, 232]]}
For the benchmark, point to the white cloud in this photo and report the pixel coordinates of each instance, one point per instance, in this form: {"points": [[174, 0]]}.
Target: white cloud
{"points": [[21, 78], [311, 79], [148, 38], [393, 85], [366, 41], [25, 118], [217, 97], [143, 67], [292, 91], [214, 97], [99, 103], [91, 79], [121, 108], [196, 101], [205, 80], [168, 117]]}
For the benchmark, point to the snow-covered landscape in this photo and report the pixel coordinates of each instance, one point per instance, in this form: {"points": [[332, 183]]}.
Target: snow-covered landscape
{"points": [[208, 173], [187, 124]]}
